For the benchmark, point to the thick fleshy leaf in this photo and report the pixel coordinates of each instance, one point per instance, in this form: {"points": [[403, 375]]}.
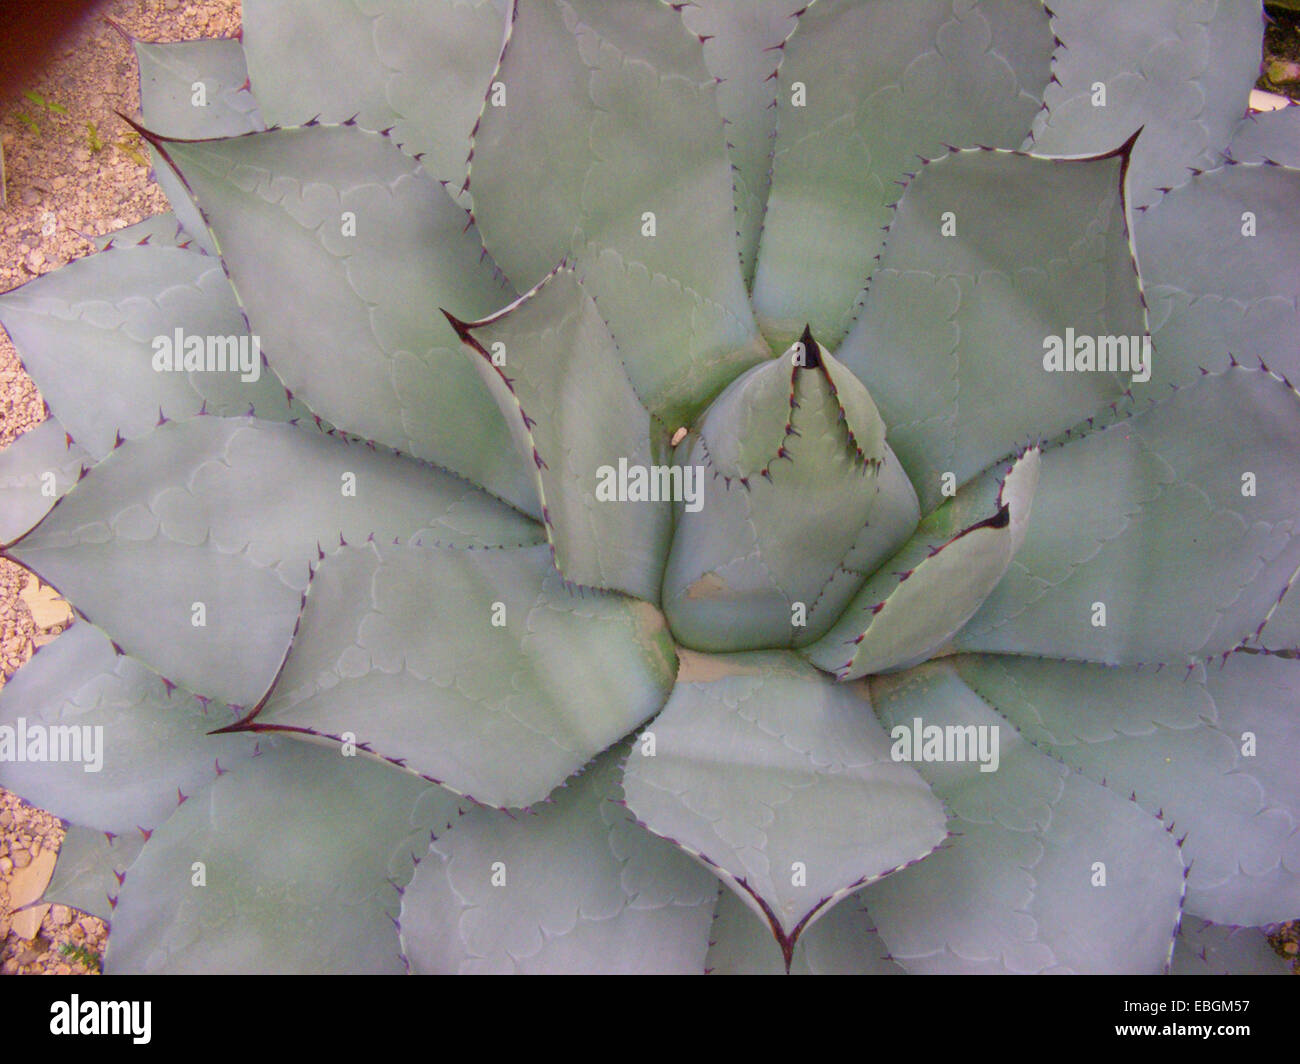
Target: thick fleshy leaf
{"points": [[1204, 948], [341, 250], [742, 49], [1221, 272], [551, 365], [843, 942], [780, 780], [481, 670], [36, 470], [1181, 72], [893, 517], [865, 90], [90, 869], [187, 213], [924, 594], [1167, 535], [193, 89], [605, 114], [992, 260], [290, 863], [1268, 136], [1280, 630], [196, 89], [797, 487], [420, 69], [571, 886], [136, 316], [100, 740], [161, 230], [1212, 750], [191, 547], [1050, 872]]}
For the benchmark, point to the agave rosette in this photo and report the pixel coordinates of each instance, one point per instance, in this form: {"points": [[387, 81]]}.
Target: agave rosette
{"points": [[560, 457]]}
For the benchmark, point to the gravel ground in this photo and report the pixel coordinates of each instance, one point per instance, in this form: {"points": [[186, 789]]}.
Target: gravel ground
{"points": [[66, 183]]}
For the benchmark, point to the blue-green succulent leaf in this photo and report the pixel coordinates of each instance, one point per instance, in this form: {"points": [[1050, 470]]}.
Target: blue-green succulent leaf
{"points": [[138, 316], [191, 547], [603, 110], [571, 886], [843, 942], [480, 670], [1205, 948], [341, 251], [1281, 630], [1167, 535], [174, 105], [742, 47], [161, 230], [1222, 272], [916, 601], [954, 197], [781, 781], [1181, 72], [102, 741], [993, 260], [188, 215], [866, 91], [795, 487], [1049, 872], [292, 862], [193, 89], [420, 69], [1211, 749], [36, 470], [1268, 136], [551, 365], [89, 871]]}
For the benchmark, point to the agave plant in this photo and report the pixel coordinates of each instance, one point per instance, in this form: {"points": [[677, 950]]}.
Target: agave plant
{"points": [[616, 485]]}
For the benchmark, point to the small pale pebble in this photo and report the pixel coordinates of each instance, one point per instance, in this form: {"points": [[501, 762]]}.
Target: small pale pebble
{"points": [[6, 866], [61, 915], [35, 260], [21, 858], [59, 183], [89, 925], [10, 966]]}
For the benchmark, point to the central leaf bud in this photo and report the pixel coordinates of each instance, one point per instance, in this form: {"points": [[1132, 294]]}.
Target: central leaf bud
{"points": [[803, 500]]}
